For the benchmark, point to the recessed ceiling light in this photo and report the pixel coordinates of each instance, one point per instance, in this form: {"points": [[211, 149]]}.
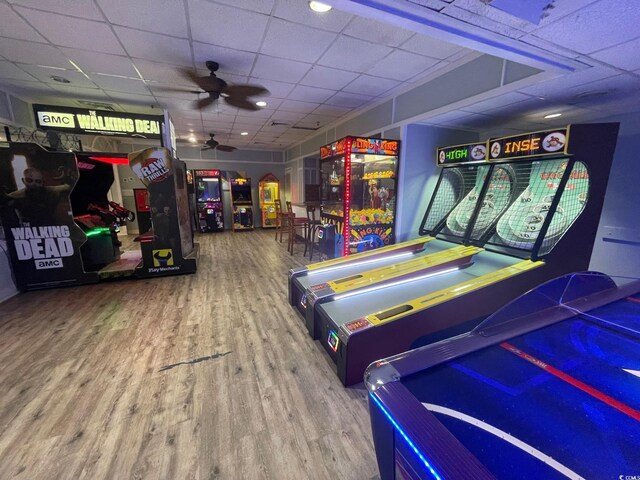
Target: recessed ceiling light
{"points": [[192, 139], [261, 103], [552, 115], [191, 130], [319, 7], [244, 133], [56, 78]]}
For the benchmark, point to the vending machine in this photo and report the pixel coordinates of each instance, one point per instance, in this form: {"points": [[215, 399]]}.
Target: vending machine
{"points": [[242, 202], [209, 207], [269, 187]]}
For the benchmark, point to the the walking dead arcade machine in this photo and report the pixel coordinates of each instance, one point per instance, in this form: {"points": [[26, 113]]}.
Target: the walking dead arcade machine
{"points": [[208, 188], [505, 216], [358, 192], [242, 203], [62, 230]]}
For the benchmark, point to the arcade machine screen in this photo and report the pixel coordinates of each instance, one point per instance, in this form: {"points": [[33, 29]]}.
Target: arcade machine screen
{"points": [[209, 190], [209, 201]]}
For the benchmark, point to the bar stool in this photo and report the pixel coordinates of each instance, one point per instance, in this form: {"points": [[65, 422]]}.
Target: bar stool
{"points": [[282, 220], [294, 224], [312, 230]]}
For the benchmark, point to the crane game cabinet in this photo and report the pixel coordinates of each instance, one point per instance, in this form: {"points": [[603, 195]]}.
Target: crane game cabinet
{"points": [[242, 204], [358, 193], [59, 226], [505, 216], [208, 189], [269, 188]]}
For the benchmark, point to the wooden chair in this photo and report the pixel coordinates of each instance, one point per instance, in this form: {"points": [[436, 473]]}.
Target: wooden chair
{"points": [[282, 220], [313, 227], [294, 224]]}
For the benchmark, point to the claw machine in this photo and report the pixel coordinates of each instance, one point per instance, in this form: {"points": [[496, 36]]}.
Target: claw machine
{"points": [[358, 194], [242, 202], [209, 207], [269, 188]]}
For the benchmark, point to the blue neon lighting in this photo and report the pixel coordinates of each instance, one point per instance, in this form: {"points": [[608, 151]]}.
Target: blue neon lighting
{"points": [[406, 438]]}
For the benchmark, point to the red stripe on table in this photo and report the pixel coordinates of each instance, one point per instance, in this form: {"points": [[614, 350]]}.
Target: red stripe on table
{"points": [[633, 299], [627, 410]]}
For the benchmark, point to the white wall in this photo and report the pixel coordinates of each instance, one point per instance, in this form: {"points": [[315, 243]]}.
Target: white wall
{"points": [[419, 173], [617, 247]]}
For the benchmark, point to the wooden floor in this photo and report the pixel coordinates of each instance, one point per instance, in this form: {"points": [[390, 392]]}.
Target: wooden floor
{"points": [[205, 376]]}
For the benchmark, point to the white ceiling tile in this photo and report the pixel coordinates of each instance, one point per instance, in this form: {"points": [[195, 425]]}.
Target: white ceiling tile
{"points": [[76, 8], [323, 119], [71, 32], [296, 106], [94, 62], [136, 108], [262, 113], [156, 47], [45, 74], [160, 16], [353, 54], [311, 94], [295, 42], [333, 110], [261, 6], [9, 71], [286, 116], [12, 26], [298, 11], [84, 92], [276, 89], [231, 61], [249, 120], [377, 32], [226, 26], [430, 47], [343, 99], [400, 65], [594, 27], [368, 85], [175, 103], [626, 56], [558, 87], [172, 90], [126, 98], [164, 73], [32, 88], [33, 53], [118, 84], [326, 77], [279, 69]]}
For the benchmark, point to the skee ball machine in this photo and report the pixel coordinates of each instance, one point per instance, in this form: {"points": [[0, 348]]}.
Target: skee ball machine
{"points": [[242, 203], [208, 188], [358, 193], [505, 216], [269, 188]]}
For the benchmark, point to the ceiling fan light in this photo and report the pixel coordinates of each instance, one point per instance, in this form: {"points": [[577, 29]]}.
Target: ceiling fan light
{"points": [[244, 133], [319, 7]]}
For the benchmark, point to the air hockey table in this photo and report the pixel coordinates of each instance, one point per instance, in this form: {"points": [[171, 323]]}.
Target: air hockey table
{"points": [[546, 388]]}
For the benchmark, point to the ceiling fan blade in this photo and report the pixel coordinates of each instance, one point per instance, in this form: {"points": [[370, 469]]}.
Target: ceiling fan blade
{"points": [[242, 103], [208, 84], [205, 102], [245, 90], [226, 148]]}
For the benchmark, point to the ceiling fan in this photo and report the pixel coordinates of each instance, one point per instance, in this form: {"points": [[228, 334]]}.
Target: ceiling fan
{"points": [[212, 144], [215, 88]]}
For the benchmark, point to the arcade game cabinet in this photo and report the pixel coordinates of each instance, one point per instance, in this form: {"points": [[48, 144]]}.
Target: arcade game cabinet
{"points": [[208, 189], [505, 216], [545, 388], [242, 204], [358, 194], [61, 229], [269, 188]]}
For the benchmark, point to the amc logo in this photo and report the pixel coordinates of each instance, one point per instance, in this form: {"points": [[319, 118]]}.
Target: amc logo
{"points": [[48, 263], [56, 119]]}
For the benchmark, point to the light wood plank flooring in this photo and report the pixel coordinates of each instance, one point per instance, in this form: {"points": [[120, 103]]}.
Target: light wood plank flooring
{"points": [[83, 392]]}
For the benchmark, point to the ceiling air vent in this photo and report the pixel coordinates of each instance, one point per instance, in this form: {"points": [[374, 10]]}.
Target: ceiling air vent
{"points": [[279, 124], [296, 127]]}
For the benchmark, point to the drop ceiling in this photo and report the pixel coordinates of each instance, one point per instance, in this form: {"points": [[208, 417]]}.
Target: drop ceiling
{"points": [[318, 68]]}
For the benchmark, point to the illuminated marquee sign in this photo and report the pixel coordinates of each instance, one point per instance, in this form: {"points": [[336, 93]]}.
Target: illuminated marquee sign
{"points": [[239, 181], [85, 121], [360, 145], [459, 154], [208, 173], [547, 143]]}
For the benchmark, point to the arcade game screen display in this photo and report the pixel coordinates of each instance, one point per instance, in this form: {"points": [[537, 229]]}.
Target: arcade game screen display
{"points": [[209, 190]]}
